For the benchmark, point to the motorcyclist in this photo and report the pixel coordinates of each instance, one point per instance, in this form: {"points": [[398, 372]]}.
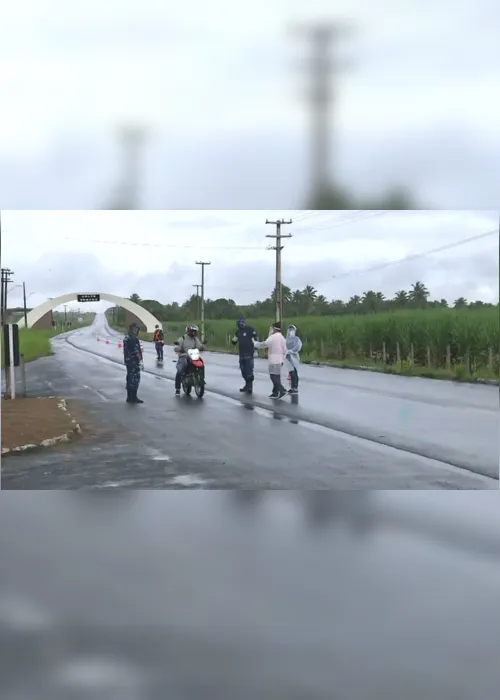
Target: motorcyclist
{"points": [[188, 341]]}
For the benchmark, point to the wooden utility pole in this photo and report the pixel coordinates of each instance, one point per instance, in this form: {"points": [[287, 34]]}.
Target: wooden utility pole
{"points": [[6, 279], [278, 289], [202, 285], [198, 295]]}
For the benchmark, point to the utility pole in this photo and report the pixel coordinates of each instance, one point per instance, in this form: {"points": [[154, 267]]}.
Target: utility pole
{"points": [[202, 285], [6, 279], [198, 295], [127, 194], [320, 97], [278, 289], [24, 304], [65, 315]]}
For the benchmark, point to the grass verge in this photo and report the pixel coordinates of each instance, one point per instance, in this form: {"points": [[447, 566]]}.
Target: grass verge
{"points": [[405, 368]]}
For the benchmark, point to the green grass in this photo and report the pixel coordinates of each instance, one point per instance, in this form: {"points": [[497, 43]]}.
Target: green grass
{"points": [[35, 343], [435, 343]]}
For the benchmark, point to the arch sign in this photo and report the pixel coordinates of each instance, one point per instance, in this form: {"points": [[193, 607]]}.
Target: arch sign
{"points": [[143, 314]]}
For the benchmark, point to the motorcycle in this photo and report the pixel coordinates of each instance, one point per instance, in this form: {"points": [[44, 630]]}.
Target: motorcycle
{"points": [[194, 376]]}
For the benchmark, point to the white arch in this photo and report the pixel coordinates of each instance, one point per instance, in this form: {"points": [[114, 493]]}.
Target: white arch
{"points": [[143, 314]]}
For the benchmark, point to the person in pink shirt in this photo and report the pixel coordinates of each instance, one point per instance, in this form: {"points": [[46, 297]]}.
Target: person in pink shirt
{"points": [[276, 352]]}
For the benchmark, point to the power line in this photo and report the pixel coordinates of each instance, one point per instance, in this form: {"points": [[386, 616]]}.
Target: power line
{"points": [[349, 219], [414, 256]]}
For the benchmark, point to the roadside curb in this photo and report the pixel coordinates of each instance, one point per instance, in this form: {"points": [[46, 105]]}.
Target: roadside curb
{"points": [[49, 442]]}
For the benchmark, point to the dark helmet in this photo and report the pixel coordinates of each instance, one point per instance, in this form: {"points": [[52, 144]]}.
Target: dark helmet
{"points": [[240, 322], [157, 326], [134, 326], [192, 330]]}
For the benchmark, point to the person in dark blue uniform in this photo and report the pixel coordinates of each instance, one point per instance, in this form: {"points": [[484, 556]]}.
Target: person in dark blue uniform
{"points": [[132, 355], [244, 337]]}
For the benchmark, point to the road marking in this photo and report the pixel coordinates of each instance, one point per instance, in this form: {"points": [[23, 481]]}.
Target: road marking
{"points": [[91, 388]]}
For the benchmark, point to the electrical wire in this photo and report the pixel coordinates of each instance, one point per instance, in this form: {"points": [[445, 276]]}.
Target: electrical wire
{"points": [[414, 256]]}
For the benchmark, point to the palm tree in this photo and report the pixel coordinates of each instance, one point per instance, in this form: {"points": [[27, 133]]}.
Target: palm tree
{"points": [[309, 294], [321, 305], [135, 298], [370, 301], [419, 294], [460, 303], [401, 299]]}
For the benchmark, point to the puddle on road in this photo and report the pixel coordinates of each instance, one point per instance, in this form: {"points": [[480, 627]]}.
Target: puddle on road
{"points": [[188, 480]]}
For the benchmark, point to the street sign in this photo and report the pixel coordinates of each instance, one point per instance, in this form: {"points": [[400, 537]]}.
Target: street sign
{"points": [[82, 298]]}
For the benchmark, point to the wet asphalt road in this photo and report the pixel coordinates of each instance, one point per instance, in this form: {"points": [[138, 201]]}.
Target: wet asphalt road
{"points": [[205, 595], [226, 441]]}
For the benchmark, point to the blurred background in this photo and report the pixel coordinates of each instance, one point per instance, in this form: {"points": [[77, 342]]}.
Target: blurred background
{"points": [[270, 104], [250, 595]]}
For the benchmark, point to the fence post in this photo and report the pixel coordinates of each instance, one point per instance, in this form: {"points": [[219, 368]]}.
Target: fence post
{"points": [[412, 353], [398, 353], [490, 359], [448, 357], [23, 376], [384, 354], [467, 360], [428, 351]]}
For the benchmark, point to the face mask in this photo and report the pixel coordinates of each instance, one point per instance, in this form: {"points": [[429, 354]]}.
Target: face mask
{"points": [[291, 332]]}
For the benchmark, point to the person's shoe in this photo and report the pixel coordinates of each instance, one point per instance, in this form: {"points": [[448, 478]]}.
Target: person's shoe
{"points": [[134, 398], [244, 389], [274, 396], [177, 392], [293, 391], [283, 392], [129, 397]]}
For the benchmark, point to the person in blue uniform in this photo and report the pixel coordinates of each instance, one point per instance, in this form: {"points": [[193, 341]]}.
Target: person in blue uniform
{"points": [[244, 337], [132, 355]]}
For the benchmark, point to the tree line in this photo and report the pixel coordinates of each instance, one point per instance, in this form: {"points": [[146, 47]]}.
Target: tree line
{"points": [[301, 302]]}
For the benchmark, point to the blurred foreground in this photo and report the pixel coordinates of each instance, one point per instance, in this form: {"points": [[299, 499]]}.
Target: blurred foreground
{"points": [[249, 595], [274, 105]]}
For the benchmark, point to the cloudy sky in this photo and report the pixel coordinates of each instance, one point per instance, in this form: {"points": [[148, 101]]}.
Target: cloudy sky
{"points": [[153, 254], [220, 89]]}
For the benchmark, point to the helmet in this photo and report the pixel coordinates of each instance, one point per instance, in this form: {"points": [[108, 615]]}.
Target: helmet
{"points": [[134, 326], [157, 326], [240, 322], [191, 329]]}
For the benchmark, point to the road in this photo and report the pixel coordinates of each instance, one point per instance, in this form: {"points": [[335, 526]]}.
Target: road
{"points": [[348, 430], [204, 595]]}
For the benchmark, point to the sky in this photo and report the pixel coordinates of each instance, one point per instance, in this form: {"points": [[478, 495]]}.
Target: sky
{"points": [[219, 90], [154, 254]]}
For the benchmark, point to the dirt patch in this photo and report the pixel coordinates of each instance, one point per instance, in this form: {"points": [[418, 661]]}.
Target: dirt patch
{"points": [[30, 421]]}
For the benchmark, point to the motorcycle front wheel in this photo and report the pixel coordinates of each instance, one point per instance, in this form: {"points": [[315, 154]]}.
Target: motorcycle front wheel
{"points": [[199, 386]]}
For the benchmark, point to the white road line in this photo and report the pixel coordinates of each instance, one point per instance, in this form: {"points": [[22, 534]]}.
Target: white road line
{"points": [[91, 388]]}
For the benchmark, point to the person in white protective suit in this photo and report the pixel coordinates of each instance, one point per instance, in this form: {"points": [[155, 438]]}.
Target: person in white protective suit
{"points": [[293, 348], [276, 351]]}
